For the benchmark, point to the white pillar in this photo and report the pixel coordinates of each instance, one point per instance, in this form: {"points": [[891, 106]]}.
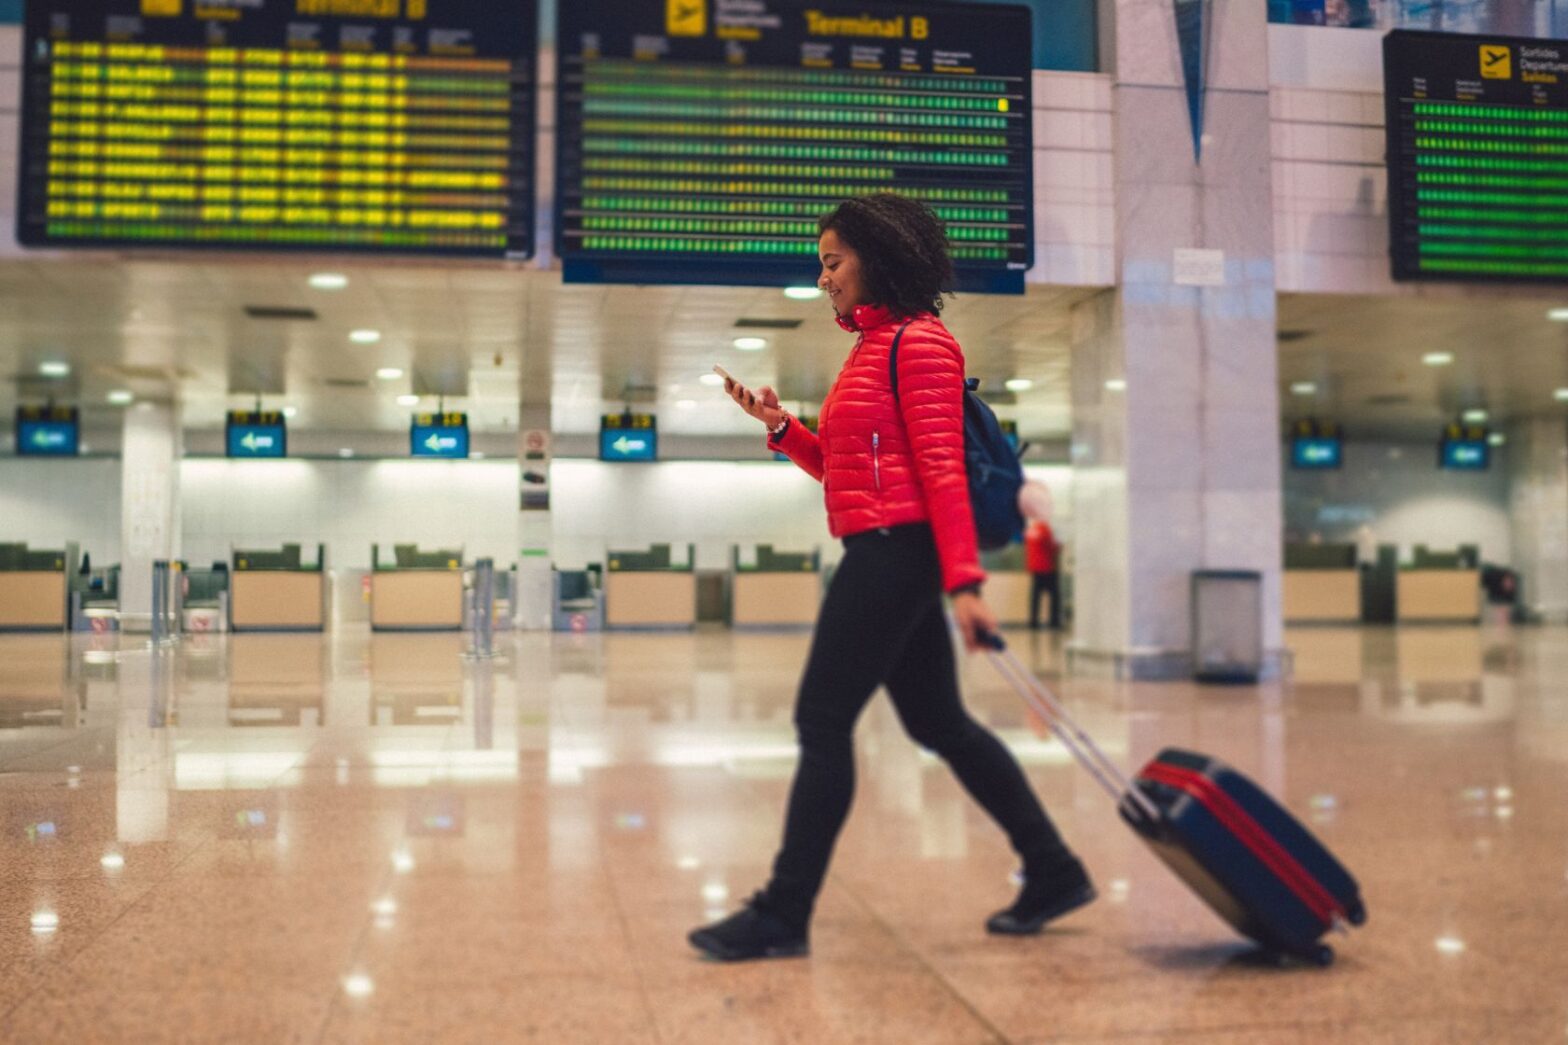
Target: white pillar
{"points": [[150, 506], [1538, 514], [535, 583]]}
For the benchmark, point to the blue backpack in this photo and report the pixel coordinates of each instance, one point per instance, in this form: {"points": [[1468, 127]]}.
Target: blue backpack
{"points": [[995, 476]]}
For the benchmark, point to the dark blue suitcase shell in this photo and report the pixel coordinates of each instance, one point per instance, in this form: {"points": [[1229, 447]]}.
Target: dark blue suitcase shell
{"points": [[1238, 872]]}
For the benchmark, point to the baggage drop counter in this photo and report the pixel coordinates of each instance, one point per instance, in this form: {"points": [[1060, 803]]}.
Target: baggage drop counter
{"points": [[1008, 585], [643, 591], [33, 588], [1322, 584], [420, 591], [273, 591], [772, 589], [1440, 586]]}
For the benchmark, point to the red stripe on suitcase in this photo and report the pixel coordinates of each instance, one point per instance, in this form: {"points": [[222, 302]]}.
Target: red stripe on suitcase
{"points": [[1248, 831]]}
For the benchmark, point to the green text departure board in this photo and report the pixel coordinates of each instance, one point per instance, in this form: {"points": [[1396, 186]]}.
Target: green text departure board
{"points": [[700, 140], [376, 125], [1477, 156]]}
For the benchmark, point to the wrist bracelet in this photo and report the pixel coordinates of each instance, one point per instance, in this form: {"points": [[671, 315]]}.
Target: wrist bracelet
{"points": [[778, 430]]}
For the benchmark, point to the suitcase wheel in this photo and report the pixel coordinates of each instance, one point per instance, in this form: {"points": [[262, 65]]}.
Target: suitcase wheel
{"points": [[1322, 956], [1357, 913]]}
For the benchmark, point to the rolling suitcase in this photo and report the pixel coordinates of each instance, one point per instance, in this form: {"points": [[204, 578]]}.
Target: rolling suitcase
{"points": [[1243, 853]]}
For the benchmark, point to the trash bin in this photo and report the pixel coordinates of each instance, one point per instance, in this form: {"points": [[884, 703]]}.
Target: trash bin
{"points": [[1227, 625]]}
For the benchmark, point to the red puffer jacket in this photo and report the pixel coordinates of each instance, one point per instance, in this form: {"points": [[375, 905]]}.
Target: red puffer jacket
{"points": [[884, 461]]}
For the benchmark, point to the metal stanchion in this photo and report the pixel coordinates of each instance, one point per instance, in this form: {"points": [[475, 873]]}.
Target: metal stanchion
{"points": [[160, 592], [484, 609]]}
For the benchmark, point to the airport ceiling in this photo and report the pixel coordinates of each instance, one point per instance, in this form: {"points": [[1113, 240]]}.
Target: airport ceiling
{"points": [[489, 338]]}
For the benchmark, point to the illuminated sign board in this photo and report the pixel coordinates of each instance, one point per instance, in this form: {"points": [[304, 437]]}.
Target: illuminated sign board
{"points": [[1465, 448], [1477, 132], [628, 437], [439, 435], [391, 126], [700, 143], [1316, 445], [256, 434], [51, 431]]}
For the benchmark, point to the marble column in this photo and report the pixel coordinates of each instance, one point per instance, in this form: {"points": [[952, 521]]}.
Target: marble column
{"points": [[535, 584], [150, 506], [1538, 514], [1175, 396]]}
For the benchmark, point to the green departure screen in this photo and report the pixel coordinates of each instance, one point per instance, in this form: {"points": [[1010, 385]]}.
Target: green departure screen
{"points": [[1477, 157], [700, 140], [376, 125]]}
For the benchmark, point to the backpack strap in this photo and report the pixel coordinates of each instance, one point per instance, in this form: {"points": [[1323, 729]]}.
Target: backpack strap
{"points": [[892, 357]]}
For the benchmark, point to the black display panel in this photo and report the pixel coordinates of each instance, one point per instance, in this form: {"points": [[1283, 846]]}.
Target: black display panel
{"points": [[700, 140], [389, 126], [1477, 157]]}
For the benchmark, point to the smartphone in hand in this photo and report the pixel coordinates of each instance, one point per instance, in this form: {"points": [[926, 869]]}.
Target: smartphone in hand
{"points": [[725, 374]]}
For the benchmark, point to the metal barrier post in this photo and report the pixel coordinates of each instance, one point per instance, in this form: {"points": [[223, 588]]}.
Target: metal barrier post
{"points": [[482, 618], [160, 592]]}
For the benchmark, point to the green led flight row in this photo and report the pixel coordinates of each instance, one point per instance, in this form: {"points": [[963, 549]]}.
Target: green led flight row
{"points": [[1527, 199], [797, 248], [1521, 217], [775, 208], [1554, 234], [1476, 145], [741, 130], [750, 226], [764, 188], [632, 165], [1496, 130], [188, 192], [1493, 268], [1487, 163], [655, 71], [1491, 112], [1496, 181], [687, 147], [120, 230], [1492, 250], [737, 93], [122, 73], [805, 114]]}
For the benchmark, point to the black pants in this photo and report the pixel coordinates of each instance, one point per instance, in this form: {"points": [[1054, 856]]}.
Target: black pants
{"points": [[882, 622], [1045, 584]]}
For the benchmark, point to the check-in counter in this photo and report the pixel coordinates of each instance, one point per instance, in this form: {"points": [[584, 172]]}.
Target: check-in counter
{"points": [[1008, 585], [1440, 586], [33, 588], [772, 589], [274, 591], [420, 591], [643, 590], [1321, 584]]}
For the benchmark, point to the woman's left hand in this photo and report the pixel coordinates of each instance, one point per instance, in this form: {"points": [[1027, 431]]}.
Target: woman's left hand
{"points": [[974, 618]]}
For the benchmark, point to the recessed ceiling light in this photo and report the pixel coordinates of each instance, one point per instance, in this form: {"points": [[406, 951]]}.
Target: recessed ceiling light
{"points": [[329, 281], [1497, 439], [408, 400], [1475, 417], [290, 411], [1438, 358], [711, 379], [751, 344], [1018, 384], [803, 293], [389, 373], [345, 452], [364, 337], [54, 368], [1558, 314], [1116, 384], [1561, 395], [120, 397], [1305, 388]]}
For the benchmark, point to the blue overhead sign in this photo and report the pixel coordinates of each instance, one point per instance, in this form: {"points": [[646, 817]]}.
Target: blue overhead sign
{"points": [[47, 431], [628, 437], [1466, 455], [1316, 453], [261, 434], [439, 435]]}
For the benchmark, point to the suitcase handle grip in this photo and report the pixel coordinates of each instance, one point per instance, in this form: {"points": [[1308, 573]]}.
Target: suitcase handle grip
{"points": [[1066, 729]]}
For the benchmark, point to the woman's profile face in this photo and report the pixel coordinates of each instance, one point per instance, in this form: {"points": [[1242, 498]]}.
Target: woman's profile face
{"points": [[840, 277]]}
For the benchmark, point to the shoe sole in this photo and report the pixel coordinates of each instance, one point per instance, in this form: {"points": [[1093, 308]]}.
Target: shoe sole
{"points": [[1083, 897], [711, 948]]}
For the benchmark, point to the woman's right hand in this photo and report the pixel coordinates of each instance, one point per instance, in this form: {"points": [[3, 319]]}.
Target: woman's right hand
{"points": [[762, 404]]}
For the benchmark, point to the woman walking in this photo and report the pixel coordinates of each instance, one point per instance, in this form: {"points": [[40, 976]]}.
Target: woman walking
{"points": [[892, 467]]}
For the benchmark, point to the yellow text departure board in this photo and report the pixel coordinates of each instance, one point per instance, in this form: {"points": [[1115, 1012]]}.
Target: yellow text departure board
{"points": [[700, 140], [398, 126]]}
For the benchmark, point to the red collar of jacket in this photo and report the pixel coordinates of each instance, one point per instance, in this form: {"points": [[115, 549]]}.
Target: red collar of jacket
{"points": [[866, 317]]}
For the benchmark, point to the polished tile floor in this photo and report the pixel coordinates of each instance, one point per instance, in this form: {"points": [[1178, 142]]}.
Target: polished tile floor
{"points": [[370, 838]]}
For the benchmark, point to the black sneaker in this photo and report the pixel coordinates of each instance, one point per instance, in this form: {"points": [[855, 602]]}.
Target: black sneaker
{"points": [[1042, 899], [751, 932]]}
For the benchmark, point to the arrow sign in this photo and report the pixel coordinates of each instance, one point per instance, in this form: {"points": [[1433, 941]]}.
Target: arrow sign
{"points": [[435, 444], [249, 442], [624, 445]]}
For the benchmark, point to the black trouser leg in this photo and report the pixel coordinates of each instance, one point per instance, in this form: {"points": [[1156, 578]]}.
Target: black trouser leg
{"points": [[924, 688], [1036, 589], [1053, 587], [882, 589]]}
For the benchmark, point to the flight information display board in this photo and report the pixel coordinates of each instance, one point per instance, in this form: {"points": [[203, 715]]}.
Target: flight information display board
{"points": [[398, 126], [1477, 156], [700, 140]]}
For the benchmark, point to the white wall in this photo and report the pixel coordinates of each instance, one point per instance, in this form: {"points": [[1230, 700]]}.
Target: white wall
{"points": [[1074, 195], [48, 503], [1399, 493]]}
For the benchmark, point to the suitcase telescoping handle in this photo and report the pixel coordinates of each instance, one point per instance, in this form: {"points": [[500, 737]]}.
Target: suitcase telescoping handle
{"points": [[1066, 729]]}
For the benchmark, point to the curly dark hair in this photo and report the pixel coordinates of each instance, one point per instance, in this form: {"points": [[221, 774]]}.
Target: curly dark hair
{"points": [[903, 250]]}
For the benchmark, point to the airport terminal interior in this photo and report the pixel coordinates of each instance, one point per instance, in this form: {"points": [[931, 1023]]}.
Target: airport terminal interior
{"points": [[401, 630]]}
